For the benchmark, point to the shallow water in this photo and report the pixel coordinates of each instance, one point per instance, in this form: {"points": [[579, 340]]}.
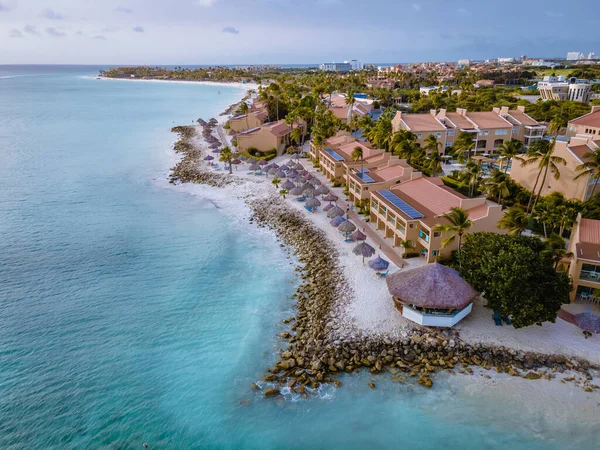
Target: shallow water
{"points": [[133, 312]]}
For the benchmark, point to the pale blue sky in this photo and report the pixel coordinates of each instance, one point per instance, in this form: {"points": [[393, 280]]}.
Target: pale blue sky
{"points": [[288, 31]]}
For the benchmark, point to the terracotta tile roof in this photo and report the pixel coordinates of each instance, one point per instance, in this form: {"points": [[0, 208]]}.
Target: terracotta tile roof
{"points": [[422, 122], [340, 112], [458, 120], [478, 212], [488, 119], [586, 250], [580, 151], [429, 193], [336, 140], [279, 128], [523, 118], [262, 115], [590, 120], [347, 149], [388, 173], [589, 231], [337, 100]]}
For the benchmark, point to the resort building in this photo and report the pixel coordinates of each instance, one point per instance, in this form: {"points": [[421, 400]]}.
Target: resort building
{"points": [[270, 136], [333, 143], [584, 268], [573, 153], [336, 67], [361, 182], [337, 163], [490, 129], [409, 211], [558, 88], [432, 295], [244, 122], [588, 124], [337, 105]]}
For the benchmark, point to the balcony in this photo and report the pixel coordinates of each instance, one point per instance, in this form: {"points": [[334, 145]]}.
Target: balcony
{"points": [[587, 275], [424, 236], [436, 318]]}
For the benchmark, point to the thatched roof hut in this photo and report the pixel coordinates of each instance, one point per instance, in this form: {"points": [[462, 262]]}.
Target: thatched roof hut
{"points": [[432, 286]]}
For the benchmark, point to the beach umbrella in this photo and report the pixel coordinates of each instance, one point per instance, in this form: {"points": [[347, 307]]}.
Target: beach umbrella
{"points": [[290, 163], [336, 221], [304, 173], [322, 190], [209, 158], [296, 156], [313, 202], [251, 160], [363, 249], [358, 236], [331, 197], [310, 192], [296, 191], [243, 158], [235, 161], [347, 226], [309, 176], [201, 121], [254, 167], [292, 174], [299, 166], [307, 186], [335, 211], [378, 264], [272, 171], [288, 185], [588, 321], [300, 180], [275, 165], [217, 150], [280, 174], [315, 181], [328, 207], [262, 162], [284, 167]]}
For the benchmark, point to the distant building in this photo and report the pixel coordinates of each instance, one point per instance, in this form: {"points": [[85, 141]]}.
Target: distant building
{"points": [[575, 56], [336, 67], [355, 64], [543, 63], [584, 267], [425, 90], [558, 88], [464, 62], [506, 60], [485, 83], [588, 124]]}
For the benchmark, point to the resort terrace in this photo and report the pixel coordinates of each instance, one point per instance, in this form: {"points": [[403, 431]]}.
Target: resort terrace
{"points": [[336, 164], [409, 211], [333, 143]]}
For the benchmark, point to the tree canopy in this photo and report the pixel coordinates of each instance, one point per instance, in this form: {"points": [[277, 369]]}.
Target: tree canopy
{"points": [[516, 276]]}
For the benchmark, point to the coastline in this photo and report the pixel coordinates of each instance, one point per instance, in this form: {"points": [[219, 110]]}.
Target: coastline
{"points": [[234, 84], [323, 340]]}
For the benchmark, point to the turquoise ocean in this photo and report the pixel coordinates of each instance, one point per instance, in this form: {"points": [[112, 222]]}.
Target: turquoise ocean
{"points": [[133, 312]]}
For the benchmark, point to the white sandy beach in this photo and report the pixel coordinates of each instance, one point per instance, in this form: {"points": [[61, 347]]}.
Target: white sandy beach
{"points": [[244, 86]]}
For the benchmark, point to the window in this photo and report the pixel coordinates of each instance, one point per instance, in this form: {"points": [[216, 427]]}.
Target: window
{"points": [[501, 132], [374, 205], [423, 235], [400, 227], [450, 133], [435, 252], [419, 135], [486, 132], [515, 130], [436, 234], [382, 210], [448, 144]]}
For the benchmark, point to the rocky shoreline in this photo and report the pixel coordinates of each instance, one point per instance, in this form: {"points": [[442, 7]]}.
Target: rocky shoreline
{"points": [[321, 345]]}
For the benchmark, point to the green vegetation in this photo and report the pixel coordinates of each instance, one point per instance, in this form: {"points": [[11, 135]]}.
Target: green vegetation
{"points": [[458, 224], [517, 275]]}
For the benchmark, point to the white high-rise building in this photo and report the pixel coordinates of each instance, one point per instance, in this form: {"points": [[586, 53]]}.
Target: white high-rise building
{"points": [[575, 56], [464, 62], [355, 64]]}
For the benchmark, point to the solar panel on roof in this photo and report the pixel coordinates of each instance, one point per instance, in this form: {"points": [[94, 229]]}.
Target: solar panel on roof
{"points": [[333, 154], [250, 130], [366, 178], [401, 205], [364, 171]]}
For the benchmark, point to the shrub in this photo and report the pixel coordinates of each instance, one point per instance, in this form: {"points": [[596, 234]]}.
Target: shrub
{"points": [[411, 255]]}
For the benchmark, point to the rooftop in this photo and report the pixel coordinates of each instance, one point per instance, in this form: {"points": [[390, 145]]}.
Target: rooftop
{"points": [[488, 119], [422, 122], [591, 120]]}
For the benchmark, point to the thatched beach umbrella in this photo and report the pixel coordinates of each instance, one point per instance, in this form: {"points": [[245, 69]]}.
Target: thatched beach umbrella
{"points": [[331, 197], [347, 226], [363, 249], [209, 158], [328, 207], [280, 174], [310, 193], [335, 211], [242, 158], [431, 286], [292, 174], [217, 150], [251, 159], [588, 321], [201, 121], [255, 167], [300, 180], [313, 203], [284, 167], [378, 264], [315, 181], [299, 166], [288, 185], [296, 191], [336, 221], [296, 156], [263, 162], [235, 162], [309, 176], [323, 190], [358, 236], [275, 165], [273, 171]]}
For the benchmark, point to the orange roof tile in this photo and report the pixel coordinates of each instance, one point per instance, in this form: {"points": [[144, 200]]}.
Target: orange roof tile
{"points": [[422, 122], [580, 151], [488, 119], [591, 120], [523, 118], [460, 121], [340, 112], [430, 194], [589, 231]]}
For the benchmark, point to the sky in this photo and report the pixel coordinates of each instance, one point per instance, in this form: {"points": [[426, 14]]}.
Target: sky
{"points": [[190, 32]]}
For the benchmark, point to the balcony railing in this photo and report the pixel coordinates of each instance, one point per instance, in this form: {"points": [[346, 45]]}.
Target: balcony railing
{"points": [[589, 276]]}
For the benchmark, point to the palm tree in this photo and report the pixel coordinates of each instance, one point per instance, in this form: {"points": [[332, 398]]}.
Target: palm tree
{"points": [[514, 220], [276, 182], [406, 245], [404, 145], [296, 135], [432, 144], [357, 155], [435, 163], [244, 110], [590, 167], [459, 223], [497, 185], [471, 175], [556, 249], [283, 192], [510, 149], [543, 155], [463, 144], [227, 156]]}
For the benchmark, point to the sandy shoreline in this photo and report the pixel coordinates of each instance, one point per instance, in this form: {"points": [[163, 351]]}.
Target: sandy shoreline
{"points": [[237, 85]]}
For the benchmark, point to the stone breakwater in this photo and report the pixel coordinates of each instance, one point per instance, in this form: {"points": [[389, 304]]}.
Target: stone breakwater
{"points": [[320, 343]]}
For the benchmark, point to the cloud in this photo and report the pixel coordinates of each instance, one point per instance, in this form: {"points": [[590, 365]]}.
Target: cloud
{"points": [[54, 32], [121, 9], [14, 33], [52, 15], [30, 29], [416, 7], [231, 30], [205, 2], [138, 29], [100, 38]]}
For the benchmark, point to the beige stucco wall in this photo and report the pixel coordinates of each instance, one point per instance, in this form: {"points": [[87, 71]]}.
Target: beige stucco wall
{"points": [[262, 140], [237, 125]]}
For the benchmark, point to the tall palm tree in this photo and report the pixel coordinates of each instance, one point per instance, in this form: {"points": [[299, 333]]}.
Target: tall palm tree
{"points": [[243, 109], [556, 249], [432, 144], [471, 175], [227, 156], [463, 145], [514, 220], [357, 155], [459, 223], [404, 144], [497, 185], [435, 163], [510, 149], [546, 161], [590, 167]]}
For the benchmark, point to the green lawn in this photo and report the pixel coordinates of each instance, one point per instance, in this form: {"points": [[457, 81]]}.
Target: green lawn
{"points": [[558, 72]]}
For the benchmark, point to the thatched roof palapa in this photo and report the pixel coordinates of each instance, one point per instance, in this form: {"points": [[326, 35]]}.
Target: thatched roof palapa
{"points": [[431, 286]]}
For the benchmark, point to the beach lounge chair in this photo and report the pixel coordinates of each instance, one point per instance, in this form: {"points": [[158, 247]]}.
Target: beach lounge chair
{"points": [[309, 208], [384, 274], [301, 199], [506, 320], [497, 320]]}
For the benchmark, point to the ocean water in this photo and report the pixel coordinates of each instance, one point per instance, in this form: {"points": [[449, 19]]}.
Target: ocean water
{"points": [[132, 312]]}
